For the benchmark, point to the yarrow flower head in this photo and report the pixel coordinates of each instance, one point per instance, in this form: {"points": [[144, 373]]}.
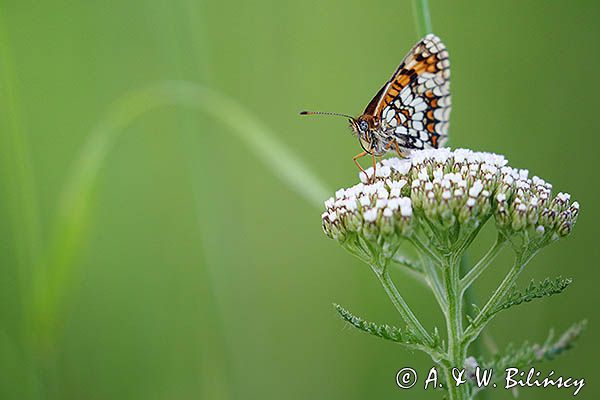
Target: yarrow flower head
{"points": [[446, 196]]}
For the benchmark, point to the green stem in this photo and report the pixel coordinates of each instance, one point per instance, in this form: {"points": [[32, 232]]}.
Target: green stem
{"points": [[405, 312], [482, 265], [433, 279], [454, 317], [425, 251], [485, 315], [435, 284], [468, 298], [422, 18], [413, 268], [467, 237]]}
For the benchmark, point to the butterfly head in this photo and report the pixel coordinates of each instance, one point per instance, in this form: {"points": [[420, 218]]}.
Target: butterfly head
{"points": [[364, 128]]}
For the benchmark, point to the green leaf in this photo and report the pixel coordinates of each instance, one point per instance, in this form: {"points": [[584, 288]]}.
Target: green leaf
{"points": [[548, 287], [527, 354], [408, 263], [402, 336]]}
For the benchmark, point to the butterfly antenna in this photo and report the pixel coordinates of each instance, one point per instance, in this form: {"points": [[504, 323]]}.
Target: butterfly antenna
{"points": [[325, 113]]}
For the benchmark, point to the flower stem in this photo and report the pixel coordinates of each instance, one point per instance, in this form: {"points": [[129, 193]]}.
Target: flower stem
{"points": [[413, 268], [484, 316], [422, 18], [435, 284], [425, 251], [482, 265], [454, 317], [405, 312], [428, 258], [469, 304]]}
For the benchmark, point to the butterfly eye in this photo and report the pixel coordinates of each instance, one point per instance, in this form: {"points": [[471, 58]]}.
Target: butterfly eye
{"points": [[363, 125]]}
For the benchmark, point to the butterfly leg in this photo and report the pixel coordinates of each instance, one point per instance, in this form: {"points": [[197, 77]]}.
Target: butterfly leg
{"points": [[398, 150], [396, 147], [394, 142], [374, 166], [355, 159]]}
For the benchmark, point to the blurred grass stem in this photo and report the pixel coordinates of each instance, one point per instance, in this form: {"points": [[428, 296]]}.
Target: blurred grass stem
{"points": [[422, 17], [18, 180]]}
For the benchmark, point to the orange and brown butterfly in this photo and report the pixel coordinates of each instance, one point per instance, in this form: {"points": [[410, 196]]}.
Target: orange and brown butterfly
{"points": [[412, 110]]}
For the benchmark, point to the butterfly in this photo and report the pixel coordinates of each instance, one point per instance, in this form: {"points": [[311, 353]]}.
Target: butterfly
{"points": [[412, 110]]}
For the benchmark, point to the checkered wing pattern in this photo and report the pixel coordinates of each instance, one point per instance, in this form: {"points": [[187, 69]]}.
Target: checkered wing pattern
{"points": [[414, 106]]}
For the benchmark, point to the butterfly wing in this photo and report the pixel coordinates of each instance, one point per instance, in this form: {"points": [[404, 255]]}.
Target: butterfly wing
{"points": [[414, 105]]}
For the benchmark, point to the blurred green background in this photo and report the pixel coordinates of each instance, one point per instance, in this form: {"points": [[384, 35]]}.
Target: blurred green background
{"points": [[149, 252]]}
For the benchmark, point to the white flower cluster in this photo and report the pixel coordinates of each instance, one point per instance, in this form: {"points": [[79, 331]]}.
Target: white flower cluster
{"points": [[380, 204], [450, 189]]}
